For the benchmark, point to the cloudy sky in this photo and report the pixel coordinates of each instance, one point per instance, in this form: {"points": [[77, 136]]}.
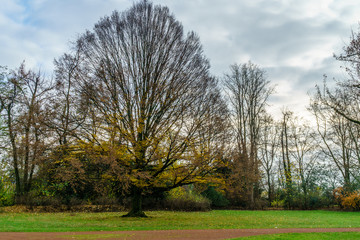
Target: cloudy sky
{"points": [[292, 40]]}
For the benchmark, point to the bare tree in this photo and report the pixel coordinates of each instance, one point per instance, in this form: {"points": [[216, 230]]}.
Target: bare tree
{"points": [[23, 95], [285, 153], [269, 151], [304, 154], [150, 84], [248, 92], [339, 136], [66, 108], [346, 88]]}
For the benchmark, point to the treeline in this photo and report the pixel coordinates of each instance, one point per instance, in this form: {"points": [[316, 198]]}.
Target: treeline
{"points": [[132, 116]]}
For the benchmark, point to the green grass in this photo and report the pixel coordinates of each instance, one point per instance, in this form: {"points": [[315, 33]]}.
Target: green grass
{"points": [[163, 220], [302, 236]]}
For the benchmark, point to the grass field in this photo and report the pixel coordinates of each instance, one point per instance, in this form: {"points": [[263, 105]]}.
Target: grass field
{"points": [[288, 236], [163, 220]]}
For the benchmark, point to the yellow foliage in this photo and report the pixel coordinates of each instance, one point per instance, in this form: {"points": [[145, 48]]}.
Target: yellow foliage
{"points": [[352, 201], [346, 199]]}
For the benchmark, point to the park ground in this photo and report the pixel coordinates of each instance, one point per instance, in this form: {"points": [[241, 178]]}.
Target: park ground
{"points": [[218, 224], [206, 234]]}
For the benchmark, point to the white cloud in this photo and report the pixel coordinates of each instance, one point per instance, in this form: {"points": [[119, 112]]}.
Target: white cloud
{"points": [[293, 40]]}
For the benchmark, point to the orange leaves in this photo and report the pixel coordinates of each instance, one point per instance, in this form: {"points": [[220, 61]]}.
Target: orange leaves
{"points": [[348, 200], [352, 201]]}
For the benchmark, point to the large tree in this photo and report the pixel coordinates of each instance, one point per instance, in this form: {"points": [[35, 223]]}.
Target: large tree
{"points": [[150, 84], [339, 135], [348, 89]]}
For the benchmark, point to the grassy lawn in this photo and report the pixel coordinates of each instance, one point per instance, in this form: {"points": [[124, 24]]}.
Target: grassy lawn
{"points": [[301, 236], [163, 220]]}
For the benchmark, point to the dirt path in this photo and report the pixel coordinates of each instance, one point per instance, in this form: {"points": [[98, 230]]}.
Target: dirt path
{"points": [[217, 234]]}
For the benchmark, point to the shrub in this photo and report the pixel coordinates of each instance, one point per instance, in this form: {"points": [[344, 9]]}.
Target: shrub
{"points": [[74, 201], [45, 201], [347, 199], [278, 203], [32, 199], [351, 201], [217, 198], [153, 201], [105, 200], [7, 195], [186, 200], [261, 203], [339, 194]]}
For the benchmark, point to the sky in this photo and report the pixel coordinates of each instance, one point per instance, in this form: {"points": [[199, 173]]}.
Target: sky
{"points": [[293, 41]]}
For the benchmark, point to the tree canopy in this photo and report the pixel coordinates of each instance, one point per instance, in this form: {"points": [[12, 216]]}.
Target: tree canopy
{"points": [[150, 87]]}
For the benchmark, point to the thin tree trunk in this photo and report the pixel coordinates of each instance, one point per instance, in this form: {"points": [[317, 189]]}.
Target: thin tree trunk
{"points": [[269, 186], [18, 190]]}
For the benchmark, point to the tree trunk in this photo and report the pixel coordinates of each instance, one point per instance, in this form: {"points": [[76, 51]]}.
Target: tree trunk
{"points": [[305, 197], [270, 193], [136, 204], [18, 189]]}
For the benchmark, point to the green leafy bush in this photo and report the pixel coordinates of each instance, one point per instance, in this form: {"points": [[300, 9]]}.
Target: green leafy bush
{"points": [[186, 200], [7, 195], [217, 198], [278, 203]]}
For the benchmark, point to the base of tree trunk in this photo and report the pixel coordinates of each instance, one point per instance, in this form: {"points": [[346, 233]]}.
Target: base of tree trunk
{"points": [[136, 204], [135, 214]]}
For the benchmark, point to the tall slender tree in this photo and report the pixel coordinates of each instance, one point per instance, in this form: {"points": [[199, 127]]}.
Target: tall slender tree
{"points": [[304, 152], [286, 161], [269, 152], [248, 92]]}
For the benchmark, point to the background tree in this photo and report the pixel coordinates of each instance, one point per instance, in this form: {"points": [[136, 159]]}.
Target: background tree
{"points": [[339, 136], [22, 97], [337, 113], [248, 92], [304, 153], [349, 88], [269, 151], [287, 165], [66, 108]]}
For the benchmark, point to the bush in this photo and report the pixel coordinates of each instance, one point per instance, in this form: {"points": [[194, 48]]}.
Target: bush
{"points": [[7, 195], [153, 201], [346, 199], [186, 200], [352, 201], [339, 193], [260, 204], [74, 201], [105, 200], [278, 203], [44, 201], [31, 200], [217, 199]]}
